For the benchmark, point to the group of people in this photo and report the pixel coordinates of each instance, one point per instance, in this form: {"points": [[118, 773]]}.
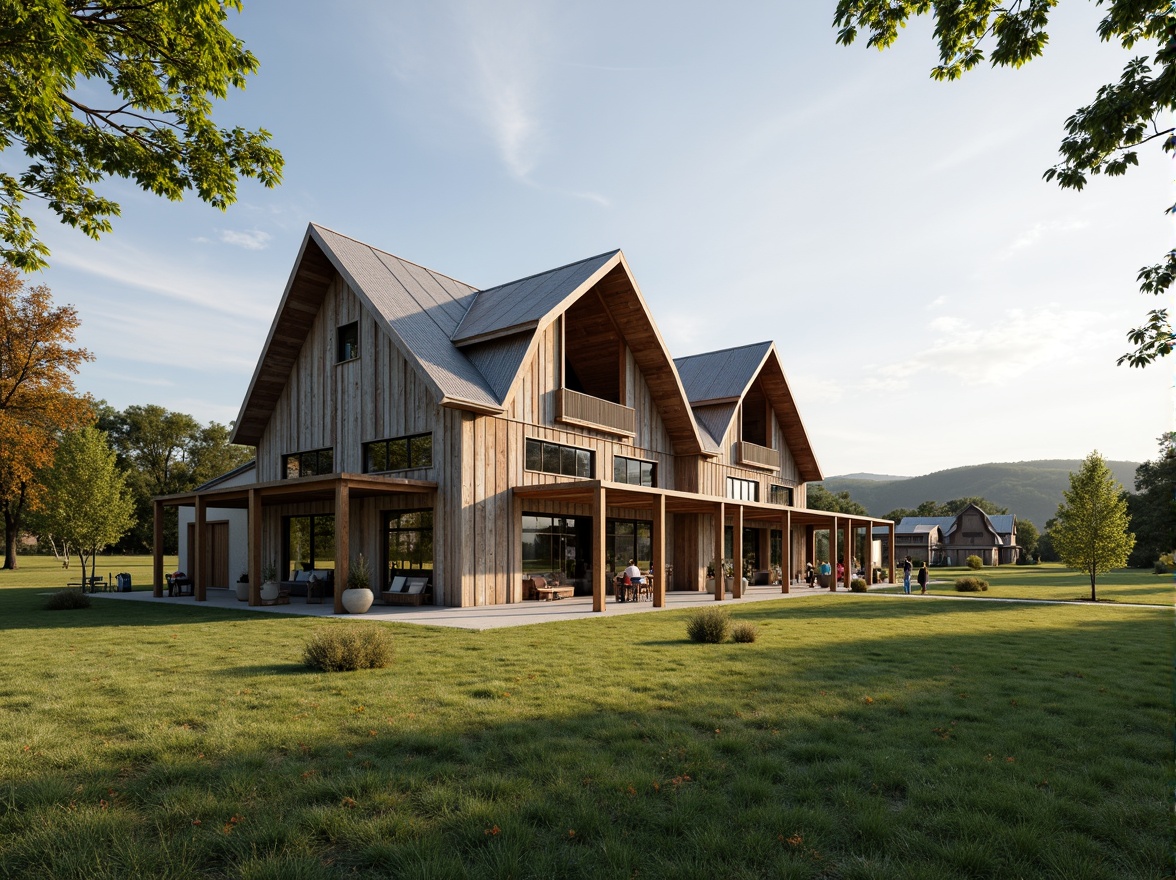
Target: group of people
{"points": [[810, 574]]}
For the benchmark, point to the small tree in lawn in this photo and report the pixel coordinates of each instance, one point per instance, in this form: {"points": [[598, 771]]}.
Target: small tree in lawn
{"points": [[1091, 529], [87, 502]]}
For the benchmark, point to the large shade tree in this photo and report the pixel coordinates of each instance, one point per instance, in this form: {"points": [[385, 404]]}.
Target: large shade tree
{"points": [[1101, 137], [37, 396], [87, 505], [1153, 507], [91, 89], [1091, 529]]}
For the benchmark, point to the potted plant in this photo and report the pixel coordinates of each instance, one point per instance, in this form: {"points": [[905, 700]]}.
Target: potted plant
{"points": [[710, 576], [358, 596], [728, 575], [269, 582], [243, 587]]}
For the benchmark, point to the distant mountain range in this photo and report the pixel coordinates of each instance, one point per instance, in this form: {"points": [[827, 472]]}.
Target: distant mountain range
{"points": [[1030, 489]]}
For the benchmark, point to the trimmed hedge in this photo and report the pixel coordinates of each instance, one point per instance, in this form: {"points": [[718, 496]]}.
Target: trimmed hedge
{"points": [[974, 562], [857, 585]]}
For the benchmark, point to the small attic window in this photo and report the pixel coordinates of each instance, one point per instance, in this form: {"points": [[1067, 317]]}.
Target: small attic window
{"points": [[347, 342]]}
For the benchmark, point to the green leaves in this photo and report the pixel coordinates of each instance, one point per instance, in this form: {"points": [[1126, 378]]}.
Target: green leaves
{"points": [[1091, 531], [161, 65]]}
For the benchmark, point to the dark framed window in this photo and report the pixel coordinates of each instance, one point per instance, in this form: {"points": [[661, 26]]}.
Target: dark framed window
{"points": [[311, 463], [634, 471], [781, 495], [742, 490], [310, 543], [554, 458], [409, 540], [347, 342], [398, 453], [627, 539]]}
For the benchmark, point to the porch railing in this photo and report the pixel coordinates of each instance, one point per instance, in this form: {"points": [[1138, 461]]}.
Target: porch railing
{"points": [[757, 456], [574, 408]]}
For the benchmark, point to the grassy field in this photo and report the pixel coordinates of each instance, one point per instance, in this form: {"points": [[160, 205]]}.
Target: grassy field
{"points": [[1052, 581], [46, 571], [859, 737]]}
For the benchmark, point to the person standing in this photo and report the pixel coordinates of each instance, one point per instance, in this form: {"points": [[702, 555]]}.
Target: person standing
{"points": [[906, 575], [923, 579]]}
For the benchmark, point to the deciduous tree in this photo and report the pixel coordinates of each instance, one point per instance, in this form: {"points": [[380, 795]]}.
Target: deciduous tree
{"points": [[96, 88], [1153, 507], [820, 498], [86, 500], [1102, 137], [37, 396], [1091, 530]]}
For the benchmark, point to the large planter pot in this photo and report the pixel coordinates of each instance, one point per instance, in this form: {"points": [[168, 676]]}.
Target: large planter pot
{"points": [[242, 591], [710, 585], [269, 591], [358, 600], [729, 584]]}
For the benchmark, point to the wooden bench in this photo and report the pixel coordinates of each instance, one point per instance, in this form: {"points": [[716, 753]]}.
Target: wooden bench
{"points": [[557, 591]]}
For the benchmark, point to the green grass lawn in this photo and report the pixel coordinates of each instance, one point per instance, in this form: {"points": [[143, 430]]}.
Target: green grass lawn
{"points": [[859, 737], [46, 571], [1051, 580]]}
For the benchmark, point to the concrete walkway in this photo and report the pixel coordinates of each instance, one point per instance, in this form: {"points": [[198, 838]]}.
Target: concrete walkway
{"points": [[481, 617]]}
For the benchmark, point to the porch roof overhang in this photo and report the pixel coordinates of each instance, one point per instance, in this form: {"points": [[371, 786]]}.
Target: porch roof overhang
{"points": [[322, 488], [626, 495]]}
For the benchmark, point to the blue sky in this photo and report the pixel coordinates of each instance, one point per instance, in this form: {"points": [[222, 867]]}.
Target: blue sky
{"points": [[935, 302]]}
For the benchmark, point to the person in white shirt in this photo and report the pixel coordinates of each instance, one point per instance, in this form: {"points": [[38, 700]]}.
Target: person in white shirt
{"points": [[633, 573]]}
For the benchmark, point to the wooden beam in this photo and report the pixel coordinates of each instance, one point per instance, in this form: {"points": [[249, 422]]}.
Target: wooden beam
{"points": [[833, 556], [599, 512], [890, 540], [343, 541], [868, 555], [254, 547], [199, 569], [847, 552], [659, 552], [737, 550], [157, 551], [786, 553], [720, 521]]}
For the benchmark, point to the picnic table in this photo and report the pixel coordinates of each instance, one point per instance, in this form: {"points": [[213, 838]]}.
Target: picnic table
{"points": [[90, 584]]}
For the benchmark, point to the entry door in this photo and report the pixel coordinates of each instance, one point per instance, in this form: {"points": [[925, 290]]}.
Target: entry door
{"points": [[218, 553]]}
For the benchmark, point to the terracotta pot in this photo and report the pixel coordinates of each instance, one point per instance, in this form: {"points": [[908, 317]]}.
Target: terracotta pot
{"points": [[358, 600]]}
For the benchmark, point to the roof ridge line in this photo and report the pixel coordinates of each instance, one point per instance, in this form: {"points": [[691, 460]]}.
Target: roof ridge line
{"points": [[554, 269], [687, 357], [393, 256]]}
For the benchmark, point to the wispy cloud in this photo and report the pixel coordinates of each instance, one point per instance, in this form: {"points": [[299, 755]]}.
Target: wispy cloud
{"points": [[938, 302], [251, 240], [1035, 233]]}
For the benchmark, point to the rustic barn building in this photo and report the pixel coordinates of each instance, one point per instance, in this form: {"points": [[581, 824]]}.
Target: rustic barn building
{"points": [[483, 436]]}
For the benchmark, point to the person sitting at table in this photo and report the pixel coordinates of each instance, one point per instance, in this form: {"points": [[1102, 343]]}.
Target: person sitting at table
{"points": [[634, 573]]}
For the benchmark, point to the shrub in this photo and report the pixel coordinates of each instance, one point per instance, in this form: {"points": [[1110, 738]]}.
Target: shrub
{"points": [[974, 562], [709, 625], [858, 585], [971, 585], [343, 648], [67, 600], [1164, 564], [744, 632]]}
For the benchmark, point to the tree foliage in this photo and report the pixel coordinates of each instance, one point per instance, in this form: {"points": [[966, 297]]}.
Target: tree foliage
{"points": [[96, 88], [1091, 530], [165, 452], [1101, 137], [820, 498], [86, 499], [1027, 538], [37, 397], [1153, 507], [946, 508]]}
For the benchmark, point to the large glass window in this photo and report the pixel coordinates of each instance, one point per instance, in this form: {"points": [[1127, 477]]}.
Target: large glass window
{"points": [[409, 540], [398, 453], [311, 463], [780, 495], [553, 458], [310, 543], [627, 539], [742, 490], [634, 471], [556, 544]]}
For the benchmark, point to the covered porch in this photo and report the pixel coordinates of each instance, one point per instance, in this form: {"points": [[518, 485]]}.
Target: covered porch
{"points": [[339, 490], [599, 495]]}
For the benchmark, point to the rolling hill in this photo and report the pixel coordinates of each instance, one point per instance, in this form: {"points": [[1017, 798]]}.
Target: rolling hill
{"points": [[1030, 489]]}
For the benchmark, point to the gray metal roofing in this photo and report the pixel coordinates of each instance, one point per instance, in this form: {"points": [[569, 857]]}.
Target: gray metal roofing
{"points": [[525, 302], [422, 309], [713, 422], [720, 375], [499, 359], [1002, 524]]}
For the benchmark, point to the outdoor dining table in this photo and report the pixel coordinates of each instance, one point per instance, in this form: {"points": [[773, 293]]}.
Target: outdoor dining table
{"points": [[630, 592]]}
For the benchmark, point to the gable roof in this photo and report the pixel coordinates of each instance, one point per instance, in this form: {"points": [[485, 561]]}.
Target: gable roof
{"points": [[717, 381], [1001, 524]]}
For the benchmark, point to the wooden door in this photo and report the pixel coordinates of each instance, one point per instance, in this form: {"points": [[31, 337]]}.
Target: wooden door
{"points": [[218, 553]]}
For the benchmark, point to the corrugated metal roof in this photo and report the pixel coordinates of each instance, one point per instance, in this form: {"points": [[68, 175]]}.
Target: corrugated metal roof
{"points": [[720, 375], [910, 525], [713, 422], [1002, 522], [421, 308], [523, 303], [499, 360]]}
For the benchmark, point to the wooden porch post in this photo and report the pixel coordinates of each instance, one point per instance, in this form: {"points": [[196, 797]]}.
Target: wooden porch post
{"points": [[847, 551], [890, 541], [833, 556], [254, 547], [342, 540], [720, 521], [157, 551], [737, 550], [599, 533], [198, 572], [810, 544], [765, 549], [868, 555], [659, 551], [786, 552]]}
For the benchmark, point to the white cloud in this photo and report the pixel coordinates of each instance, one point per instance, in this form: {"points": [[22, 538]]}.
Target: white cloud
{"points": [[1037, 231], [251, 240], [937, 302]]}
